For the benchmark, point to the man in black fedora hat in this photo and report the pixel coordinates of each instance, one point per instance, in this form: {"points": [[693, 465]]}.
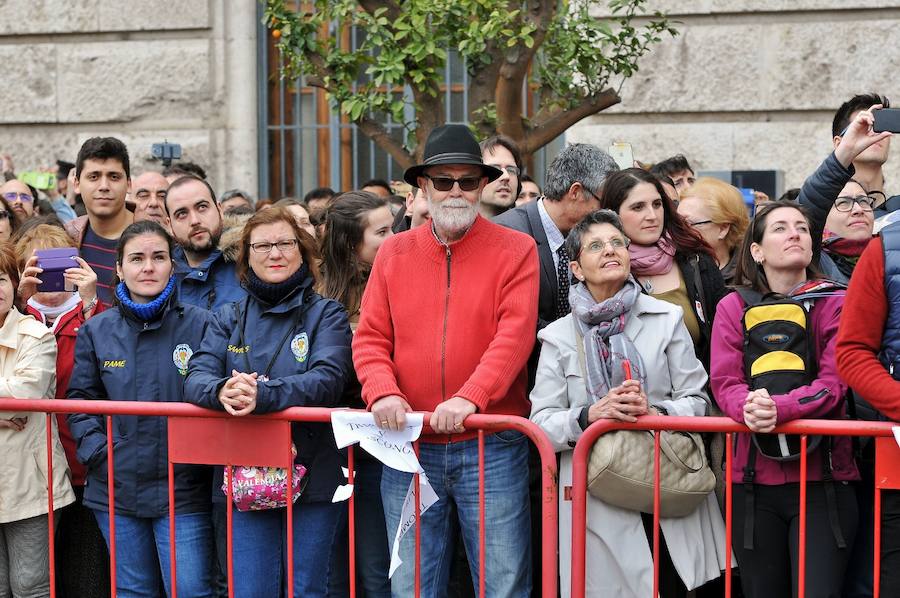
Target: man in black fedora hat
{"points": [[447, 323]]}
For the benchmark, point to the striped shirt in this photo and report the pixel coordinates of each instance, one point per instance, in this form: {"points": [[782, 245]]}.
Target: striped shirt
{"points": [[100, 253]]}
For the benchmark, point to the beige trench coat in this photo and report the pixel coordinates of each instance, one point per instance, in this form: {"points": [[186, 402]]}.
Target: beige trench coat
{"points": [[28, 370], [619, 558]]}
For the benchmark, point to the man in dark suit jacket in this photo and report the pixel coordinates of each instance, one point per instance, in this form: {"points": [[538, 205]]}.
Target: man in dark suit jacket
{"points": [[571, 191]]}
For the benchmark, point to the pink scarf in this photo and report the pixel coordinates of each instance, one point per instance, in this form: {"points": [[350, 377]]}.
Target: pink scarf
{"points": [[650, 260]]}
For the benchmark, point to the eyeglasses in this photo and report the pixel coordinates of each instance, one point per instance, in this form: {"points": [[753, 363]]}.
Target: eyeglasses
{"points": [[13, 196], [698, 223], [845, 204], [445, 183], [286, 246], [594, 195], [615, 244], [511, 170]]}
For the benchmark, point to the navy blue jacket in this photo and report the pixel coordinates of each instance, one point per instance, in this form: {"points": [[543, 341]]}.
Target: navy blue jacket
{"points": [[121, 358], [309, 369], [817, 195], [211, 285]]}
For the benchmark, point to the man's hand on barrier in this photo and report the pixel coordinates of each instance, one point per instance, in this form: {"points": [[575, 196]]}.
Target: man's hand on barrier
{"points": [[390, 412], [16, 424], [760, 411], [448, 416], [624, 403]]}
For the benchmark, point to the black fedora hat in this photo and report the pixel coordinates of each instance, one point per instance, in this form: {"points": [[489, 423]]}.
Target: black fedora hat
{"points": [[450, 144]]}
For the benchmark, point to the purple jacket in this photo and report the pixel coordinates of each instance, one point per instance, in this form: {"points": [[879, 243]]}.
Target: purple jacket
{"points": [[730, 388]]}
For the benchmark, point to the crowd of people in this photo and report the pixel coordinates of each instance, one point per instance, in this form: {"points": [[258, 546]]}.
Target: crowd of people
{"points": [[611, 293]]}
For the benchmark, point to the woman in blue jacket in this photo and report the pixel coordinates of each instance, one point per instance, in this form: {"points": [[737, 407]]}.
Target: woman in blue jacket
{"points": [[284, 346], [139, 351]]}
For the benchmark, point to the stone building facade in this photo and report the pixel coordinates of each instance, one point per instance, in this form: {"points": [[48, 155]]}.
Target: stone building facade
{"points": [[141, 70], [754, 84], [747, 84]]}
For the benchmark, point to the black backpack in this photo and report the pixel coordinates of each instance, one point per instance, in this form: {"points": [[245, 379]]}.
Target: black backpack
{"points": [[779, 355]]}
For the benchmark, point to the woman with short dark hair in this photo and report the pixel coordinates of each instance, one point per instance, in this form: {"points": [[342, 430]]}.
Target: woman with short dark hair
{"points": [[582, 377]]}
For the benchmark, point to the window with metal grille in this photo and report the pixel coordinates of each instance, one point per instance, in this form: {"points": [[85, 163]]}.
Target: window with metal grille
{"points": [[304, 143]]}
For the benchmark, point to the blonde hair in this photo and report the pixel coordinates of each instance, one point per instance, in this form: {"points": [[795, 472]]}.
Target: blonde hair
{"points": [[42, 236], [725, 204]]}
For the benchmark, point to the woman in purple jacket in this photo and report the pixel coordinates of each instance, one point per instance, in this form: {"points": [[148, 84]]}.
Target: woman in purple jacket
{"points": [[775, 258]]}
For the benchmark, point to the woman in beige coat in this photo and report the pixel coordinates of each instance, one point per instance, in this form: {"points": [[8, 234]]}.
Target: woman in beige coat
{"points": [[27, 370], [619, 323]]}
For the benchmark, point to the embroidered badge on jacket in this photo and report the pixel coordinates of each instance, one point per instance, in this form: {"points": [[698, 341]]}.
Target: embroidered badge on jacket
{"points": [[300, 347], [180, 357]]}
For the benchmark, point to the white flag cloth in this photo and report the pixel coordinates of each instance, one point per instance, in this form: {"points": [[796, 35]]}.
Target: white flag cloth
{"points": [[393, 449]]}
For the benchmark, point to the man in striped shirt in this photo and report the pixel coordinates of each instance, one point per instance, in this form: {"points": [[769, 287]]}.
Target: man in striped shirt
{"points": [[103, 178]]}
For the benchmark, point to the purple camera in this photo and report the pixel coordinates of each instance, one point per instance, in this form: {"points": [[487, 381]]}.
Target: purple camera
{"points": [[54, 262]]}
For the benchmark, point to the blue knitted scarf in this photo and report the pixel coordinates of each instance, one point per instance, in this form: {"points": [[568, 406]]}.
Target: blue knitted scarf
{"points": [[144, 311]]}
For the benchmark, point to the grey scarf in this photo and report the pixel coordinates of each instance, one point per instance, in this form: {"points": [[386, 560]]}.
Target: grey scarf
{"points": [[606, 346]]}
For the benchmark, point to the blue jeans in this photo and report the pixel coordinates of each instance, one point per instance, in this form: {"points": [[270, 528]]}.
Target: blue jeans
{"points": [[452, 471], [142, 553], [260, 545]]}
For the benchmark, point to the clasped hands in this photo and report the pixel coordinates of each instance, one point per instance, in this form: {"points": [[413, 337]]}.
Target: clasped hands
{"points": [[238, 395], [624, 403], [760, 411]]}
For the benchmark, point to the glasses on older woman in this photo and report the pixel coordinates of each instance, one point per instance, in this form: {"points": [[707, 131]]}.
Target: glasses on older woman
{"points": [[845, 204], [615, 244], [286, 246]]}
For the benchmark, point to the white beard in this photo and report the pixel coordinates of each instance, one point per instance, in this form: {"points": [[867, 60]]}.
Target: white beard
{"points": [[453, 215]]}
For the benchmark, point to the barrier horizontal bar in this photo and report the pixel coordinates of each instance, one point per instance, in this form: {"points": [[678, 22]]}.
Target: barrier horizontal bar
{"points": [[549, 473], [581, 456]]}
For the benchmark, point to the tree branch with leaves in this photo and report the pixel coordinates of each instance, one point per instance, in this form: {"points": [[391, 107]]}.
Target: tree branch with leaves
{"points": [[573, 62]]}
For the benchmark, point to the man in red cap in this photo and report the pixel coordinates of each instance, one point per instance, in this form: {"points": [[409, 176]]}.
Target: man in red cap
{"points": [[447, 323]]}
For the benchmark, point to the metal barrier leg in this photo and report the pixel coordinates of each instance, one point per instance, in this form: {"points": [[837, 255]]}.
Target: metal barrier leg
{"points": [[289, 492], [111, 493], [173, 570], [51, 546], [801, 541], [481, 527], [656, 513], [351, 524], [229, 538], [729, 514], [418, 582]]}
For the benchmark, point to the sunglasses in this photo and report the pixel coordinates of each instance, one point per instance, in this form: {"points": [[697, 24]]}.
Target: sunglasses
{"points": [[445, 183], [13, 196]]}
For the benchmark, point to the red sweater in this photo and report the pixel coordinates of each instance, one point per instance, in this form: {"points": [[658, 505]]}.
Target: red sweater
{"points": [[860, 332], [440, 322]]}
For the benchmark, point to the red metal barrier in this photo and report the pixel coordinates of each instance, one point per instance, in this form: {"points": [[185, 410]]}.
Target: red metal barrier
{"points": [[200, 436], [887, 477]]}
